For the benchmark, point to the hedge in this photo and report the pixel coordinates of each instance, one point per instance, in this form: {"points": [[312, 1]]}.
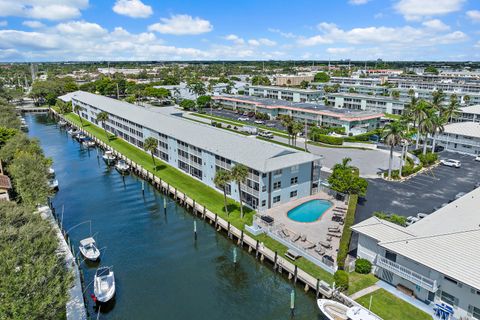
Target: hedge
{"points": [[347, 231], [363, 137], [327, 139], [363, 266], [341, 280]]}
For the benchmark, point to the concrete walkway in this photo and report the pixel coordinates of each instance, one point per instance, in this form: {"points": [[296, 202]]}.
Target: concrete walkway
{"points": [[364, 292]]}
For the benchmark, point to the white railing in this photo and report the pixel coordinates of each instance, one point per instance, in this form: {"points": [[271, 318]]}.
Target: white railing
{"points": [[406, 273]]}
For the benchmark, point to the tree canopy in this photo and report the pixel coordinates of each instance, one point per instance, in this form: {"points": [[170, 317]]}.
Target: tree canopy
{"points": [[345, 179], [322, 77]]}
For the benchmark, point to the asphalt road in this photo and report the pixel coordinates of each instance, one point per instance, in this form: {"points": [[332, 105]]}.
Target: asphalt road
{"points": [[421, 193]]}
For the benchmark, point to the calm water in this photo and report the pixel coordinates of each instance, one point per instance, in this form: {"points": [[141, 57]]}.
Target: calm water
{"points": [[161, 272], [309, 211]]}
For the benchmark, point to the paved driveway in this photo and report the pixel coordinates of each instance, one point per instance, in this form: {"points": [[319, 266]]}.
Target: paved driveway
{"points": [[421, 193]]}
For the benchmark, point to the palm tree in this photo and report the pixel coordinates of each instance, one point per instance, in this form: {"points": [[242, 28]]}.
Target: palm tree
{"points": [[437, 125], [426, 126], [287, 122], [420, 112], [344, 165], [466, 99], [393, 134], [103, 117], [452, 109], [77, 110], [297, 127], [150, 144], [222, 179], [239, 174]]}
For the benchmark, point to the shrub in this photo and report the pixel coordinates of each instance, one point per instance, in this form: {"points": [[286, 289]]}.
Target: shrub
{"points": [[428, 159], [341, 280], [347, 232], [327, 139], [363, 137], [391, 217], [363, 266]]}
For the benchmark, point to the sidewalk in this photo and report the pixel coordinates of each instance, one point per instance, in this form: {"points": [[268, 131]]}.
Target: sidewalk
{"points": [[364, 292]]}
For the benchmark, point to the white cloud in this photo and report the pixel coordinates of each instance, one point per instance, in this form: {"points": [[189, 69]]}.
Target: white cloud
{"points": [[262, 42], [358, 2], [340, 50], [85, 29], [436, 24], [182, 24], [235, 39], [43, 9], [416, 10], [477, 45], [3, 23], [33, 24], [132, 8], [474, 15], [287, 35]]}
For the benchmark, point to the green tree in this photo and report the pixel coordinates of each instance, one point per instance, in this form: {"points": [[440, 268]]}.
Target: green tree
{"points": [[239, 174], [187, 104], [345, 179], [222, 179], [431, 69], [395, 94], [150, 145], [6, 134], [103, 117], [260, 81], [452, 110], [304, 84], [393, 134], [204, 102], [466, 99], [438, 122], [321, 77], [77, 108]]}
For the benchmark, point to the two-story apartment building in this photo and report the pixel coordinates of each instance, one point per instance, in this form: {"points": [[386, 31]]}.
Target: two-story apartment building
{"points": [[355, 101], [354, 121], [276, 174], [461, 137], [435, 259], [471, 113], [288, 94]]}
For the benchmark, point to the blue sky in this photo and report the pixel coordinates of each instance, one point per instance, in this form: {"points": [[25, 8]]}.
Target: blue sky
{"points": [[50, 30]]}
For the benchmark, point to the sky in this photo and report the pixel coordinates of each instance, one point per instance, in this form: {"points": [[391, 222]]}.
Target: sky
{"points": [[75, 30]]}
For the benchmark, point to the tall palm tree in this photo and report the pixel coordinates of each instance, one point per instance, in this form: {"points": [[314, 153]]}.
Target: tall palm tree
{"points": [[103, 117], [437, 126], [297, 127], [393, 134], [239, 174], [77, 110], [344, 165], [150, 144], [287, 122], [451, 111], [222, 179], [426, 126], [420, 111]]}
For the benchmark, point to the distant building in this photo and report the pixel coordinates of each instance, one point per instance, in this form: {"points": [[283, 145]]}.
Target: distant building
{"points": [[292, 80], [354, 121], [355, 101], [471, 113], [461, 137], [434, 260], [288, 94]]}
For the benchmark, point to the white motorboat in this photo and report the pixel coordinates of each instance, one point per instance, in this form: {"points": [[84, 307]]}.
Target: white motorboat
{"points": [[62, 123], [51, 172], [122, 166], [80, 136], [104, 284], [72, 131], [88, 143], [53, 184], [89, 249], [335, 310], [108, 157]]}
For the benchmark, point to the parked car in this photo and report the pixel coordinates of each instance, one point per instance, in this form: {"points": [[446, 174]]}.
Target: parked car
{"points": [[421, 215], [451, 163], [411, 220], [266, 134], [439, 148], [477, 158], [259, 121], [243, 119]]}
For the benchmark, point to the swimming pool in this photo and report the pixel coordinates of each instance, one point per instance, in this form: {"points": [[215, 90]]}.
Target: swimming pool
{"points": [[309, 211]]}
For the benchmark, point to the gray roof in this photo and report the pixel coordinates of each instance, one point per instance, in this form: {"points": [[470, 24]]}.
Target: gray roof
{"points": [[299, 90], [444, 241], [468, 129], [471, 109], [254, 153]]}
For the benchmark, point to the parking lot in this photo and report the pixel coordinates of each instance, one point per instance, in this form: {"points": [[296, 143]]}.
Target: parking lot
{"points": [[423, 192], [234, 116]]}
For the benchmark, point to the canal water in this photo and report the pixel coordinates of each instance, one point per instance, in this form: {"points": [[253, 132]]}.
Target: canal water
{"points": [[161, 271]]}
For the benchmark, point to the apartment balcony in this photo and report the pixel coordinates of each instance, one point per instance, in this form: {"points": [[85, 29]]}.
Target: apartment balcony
{"points": [[249, 190], [407, 274]]}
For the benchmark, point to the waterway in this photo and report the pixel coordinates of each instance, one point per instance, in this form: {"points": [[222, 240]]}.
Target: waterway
{"points": [[161, 271]]}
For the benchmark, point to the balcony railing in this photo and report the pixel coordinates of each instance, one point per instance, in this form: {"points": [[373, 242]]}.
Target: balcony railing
{"points": [[407, 274]]}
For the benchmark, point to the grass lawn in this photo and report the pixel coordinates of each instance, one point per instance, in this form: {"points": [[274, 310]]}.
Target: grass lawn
{"points": [[281, 143], [389, 307], [359, 281], [196, 190]]}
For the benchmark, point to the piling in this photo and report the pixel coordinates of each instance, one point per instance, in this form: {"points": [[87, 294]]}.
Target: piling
{"points": [[292, 303], [165, 206], [195, 229]]}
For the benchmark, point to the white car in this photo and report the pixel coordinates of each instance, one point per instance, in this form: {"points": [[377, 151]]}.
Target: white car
{"points": [[243, 119], [266, 134], [411, 220], [421, 215], [259, 121], [451, 163], [477, 158]]}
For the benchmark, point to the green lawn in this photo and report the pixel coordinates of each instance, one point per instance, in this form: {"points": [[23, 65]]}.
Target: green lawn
{"points": [[281, 143], [389, 307], [359, 281], [196, 190]]}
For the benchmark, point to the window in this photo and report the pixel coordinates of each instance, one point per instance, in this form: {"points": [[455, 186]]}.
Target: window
{"points": [[474, 311], [391, 256], [450, 280], [293, 193], [276, 199], [294, 169], [264, 202], [294, 180], [264, 188], [448, 298], [277, 185], [277, 172]]}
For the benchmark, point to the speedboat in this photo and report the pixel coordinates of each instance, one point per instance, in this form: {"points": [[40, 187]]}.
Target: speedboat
{"points": [[51, 172], [62, 123], [104, 284], [72, 131], [53, 184], [88, 142], [80, 136], [108, 157], [334, 310], [89, 249], [122, 166]]}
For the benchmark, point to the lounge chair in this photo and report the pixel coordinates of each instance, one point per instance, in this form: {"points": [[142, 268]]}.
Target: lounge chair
{"points": [[334, 229], [329, 239], [303, 237], [336, 235], [320, 250], [324, 244], [292, 255], [309, 246], [295, 237], [285, 233]]}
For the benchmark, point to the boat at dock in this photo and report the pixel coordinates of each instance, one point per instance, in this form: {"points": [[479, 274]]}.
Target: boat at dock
{"points": [[62, 123], [108, 157], [80, 136], [122, 167], [89, 249], [72, 131], [88, 143], [104, 284], [51, 172], [335, 310], [53, 184]]}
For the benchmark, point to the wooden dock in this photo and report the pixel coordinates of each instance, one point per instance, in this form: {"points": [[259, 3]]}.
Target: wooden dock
{"points": [[244, 240], [32, 109]]}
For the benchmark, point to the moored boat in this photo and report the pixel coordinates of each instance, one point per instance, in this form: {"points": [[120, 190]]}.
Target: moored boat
{"points": [[104, 284], [53, 184], [122, 167], [108, 157], [89, 249], [335, 310], [62, 123], [88, 142]]}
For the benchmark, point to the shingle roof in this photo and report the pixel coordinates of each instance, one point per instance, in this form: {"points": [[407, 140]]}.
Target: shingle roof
{"points": [[5, 182], [254, 153]]}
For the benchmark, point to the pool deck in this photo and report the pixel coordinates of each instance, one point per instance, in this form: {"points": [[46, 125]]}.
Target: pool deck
{"points": [[314, 231]]}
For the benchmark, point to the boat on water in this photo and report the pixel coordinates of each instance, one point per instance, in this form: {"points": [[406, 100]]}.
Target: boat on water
{"points": [[72, 131], [53, 184], [108, 157], [62, 123], [89, 249], [335, 310], [51, 172], [104, 284], [80, 136], [122, 167], [88, 142]]}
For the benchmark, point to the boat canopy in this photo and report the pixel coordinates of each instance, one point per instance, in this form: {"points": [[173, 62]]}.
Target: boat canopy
{"points": [[358, 313], [87, 241], [102, 272]]}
